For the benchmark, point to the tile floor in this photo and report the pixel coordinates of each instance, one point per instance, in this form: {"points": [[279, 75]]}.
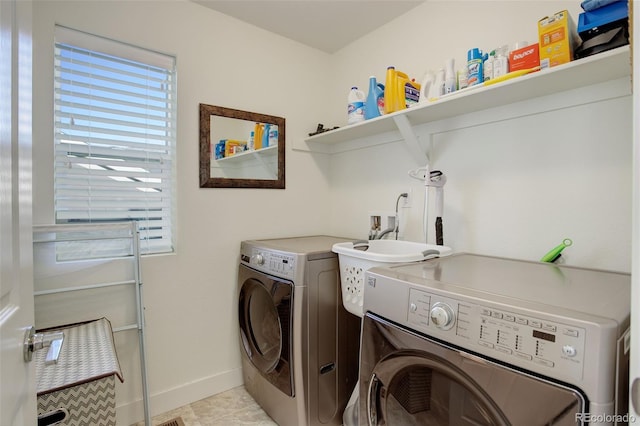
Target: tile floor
{"points": [[230, 408]]}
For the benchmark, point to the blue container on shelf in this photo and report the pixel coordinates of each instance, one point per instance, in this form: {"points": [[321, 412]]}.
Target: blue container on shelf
{"points": [[590, 22], [603, 29]]}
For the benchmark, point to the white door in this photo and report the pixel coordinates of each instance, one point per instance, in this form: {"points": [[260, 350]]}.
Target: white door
{"points": [[17, 381]]}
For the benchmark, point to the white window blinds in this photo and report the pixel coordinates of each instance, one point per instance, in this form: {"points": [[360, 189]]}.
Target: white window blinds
{"points": [[115, 134]]}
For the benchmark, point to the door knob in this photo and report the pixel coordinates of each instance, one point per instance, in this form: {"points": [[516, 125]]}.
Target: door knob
{"points": [[35, 341], [635, 395]]}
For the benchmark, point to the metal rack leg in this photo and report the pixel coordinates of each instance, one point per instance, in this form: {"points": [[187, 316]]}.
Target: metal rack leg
{"points": [[141, 337]]}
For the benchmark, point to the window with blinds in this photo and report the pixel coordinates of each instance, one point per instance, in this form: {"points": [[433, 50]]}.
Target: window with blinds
{"points": [[115, 134]]}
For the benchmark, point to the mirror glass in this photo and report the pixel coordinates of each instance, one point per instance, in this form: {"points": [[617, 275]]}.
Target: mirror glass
{"points": [[240, 149]]}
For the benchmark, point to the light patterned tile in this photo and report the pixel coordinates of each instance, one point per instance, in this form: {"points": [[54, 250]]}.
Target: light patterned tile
{"points": [[234, 407], [224, 404], [253, 416]]}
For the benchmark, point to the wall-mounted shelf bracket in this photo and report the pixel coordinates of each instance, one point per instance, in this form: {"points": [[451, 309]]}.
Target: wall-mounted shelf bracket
{"points": [[411, 139]]}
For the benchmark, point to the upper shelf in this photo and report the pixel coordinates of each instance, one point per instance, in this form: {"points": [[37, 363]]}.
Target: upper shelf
{"points": [[599, 68]]}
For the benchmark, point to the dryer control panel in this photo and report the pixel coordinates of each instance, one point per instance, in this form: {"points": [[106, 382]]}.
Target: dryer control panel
{"points": [[271, 262], [534, 343]]}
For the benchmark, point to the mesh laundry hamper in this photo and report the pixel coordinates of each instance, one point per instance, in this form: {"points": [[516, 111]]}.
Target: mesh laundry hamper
{"points": [[82, 382]]}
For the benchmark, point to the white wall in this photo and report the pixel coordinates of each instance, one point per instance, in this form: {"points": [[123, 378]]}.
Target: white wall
{"points": [[190, 296], [515, 188]]}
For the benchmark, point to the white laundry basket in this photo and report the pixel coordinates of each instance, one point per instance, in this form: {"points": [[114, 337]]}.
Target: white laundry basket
{"points": [[358, 256]]}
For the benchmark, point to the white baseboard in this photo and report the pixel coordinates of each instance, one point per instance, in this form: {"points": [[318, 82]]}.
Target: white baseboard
{"points": [[133, 412]]}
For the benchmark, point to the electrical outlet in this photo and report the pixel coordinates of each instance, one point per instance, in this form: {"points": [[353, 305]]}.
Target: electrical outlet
{"points": [[405, 202]]}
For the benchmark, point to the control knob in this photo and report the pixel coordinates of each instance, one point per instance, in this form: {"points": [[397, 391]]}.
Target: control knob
{"points": [[258, 259], [569, 351], [442, 316]]}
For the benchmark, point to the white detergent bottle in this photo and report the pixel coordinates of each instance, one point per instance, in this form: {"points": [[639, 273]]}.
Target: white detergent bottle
{"points": [[437, 88], [355, 111], [425, 87]]}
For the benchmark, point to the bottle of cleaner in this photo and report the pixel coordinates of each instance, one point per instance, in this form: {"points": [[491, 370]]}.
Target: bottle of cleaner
{"points": [[273, 135], [474, 67], [375, 98], [501, 62], [487, 66], [250, 143], [449, 77], [355, 111], [462, 78]]}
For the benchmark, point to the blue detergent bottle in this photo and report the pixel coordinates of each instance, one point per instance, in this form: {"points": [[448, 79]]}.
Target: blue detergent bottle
{"points": [[375, 98], [265, 135]]}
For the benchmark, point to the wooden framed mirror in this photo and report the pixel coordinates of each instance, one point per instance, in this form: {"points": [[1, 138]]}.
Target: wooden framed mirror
{"points": [[241, 149]]}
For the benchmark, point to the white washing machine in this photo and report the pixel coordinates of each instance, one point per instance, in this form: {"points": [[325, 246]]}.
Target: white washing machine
{"points": [[477, 340], [296, 339]]}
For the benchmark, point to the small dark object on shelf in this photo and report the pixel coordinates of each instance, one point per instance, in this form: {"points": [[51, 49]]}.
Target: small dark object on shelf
{"points": [[321, 129]]}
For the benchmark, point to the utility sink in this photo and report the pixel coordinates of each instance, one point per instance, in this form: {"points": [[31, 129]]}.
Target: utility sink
{"points": [[357, 257]]}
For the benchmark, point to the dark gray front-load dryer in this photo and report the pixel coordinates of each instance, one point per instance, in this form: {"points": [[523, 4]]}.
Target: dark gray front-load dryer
{"points": [[299, 345]]}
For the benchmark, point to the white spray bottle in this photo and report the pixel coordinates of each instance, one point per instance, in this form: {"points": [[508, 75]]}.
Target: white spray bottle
{"points": [[450, 77]]}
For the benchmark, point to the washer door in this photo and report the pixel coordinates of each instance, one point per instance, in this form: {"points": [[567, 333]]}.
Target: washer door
{"points": [[409, 379], [264, 308]]}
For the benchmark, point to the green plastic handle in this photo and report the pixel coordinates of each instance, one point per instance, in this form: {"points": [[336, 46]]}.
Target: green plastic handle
{"points": [[554, 253]]}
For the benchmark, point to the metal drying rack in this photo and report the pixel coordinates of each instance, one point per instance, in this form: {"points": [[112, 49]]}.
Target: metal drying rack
{"points": [[86, 271]]}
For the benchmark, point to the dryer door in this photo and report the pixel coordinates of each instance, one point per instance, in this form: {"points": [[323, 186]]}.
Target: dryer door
{"points": [[408, 379], [264, 312]]}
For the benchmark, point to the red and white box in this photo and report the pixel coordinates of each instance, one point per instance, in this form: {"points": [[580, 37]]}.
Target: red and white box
{"points": [[524, 58]]}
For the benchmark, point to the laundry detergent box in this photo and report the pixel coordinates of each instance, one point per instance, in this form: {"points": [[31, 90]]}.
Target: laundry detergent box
{"points": [[558, 38], [524, 58]]}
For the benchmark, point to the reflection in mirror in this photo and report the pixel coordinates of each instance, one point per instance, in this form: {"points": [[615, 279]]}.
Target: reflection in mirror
{"points": [[237, 143], [240, 149]]}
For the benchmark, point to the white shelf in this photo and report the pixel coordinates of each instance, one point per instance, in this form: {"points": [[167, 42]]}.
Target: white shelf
{"points": [[245, 155], [600, 68]]}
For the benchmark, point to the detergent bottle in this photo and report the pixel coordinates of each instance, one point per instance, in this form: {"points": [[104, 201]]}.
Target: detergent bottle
{"points": [[265, 135], [402, 80], [257, 135], [355, 111], [437, 89], [375, 99], [390, 91], [411, 93], [425, 88]]}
